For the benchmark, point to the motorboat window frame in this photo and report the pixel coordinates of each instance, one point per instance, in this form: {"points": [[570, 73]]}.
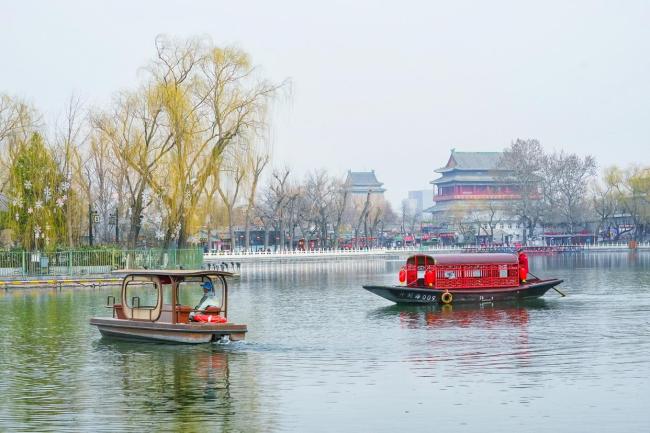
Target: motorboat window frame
{"points": [[130, 311]]}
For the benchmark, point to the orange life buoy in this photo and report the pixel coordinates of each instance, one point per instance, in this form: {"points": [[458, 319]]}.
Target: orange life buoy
{"points": [[209, 318], [446, 298]]}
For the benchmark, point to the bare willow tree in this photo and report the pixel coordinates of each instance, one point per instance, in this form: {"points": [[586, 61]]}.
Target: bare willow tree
{"points": [[233, 172], [339, 197], [565, 182], [139, 139], [275, 199], [410, 217], [256, 162], [317, 204], [631, 187], [164, 143], [362, 217], [169, 137], [70, 140], [491, 216], [18, 120], [522, 163], [604, 204], [211, 97]]}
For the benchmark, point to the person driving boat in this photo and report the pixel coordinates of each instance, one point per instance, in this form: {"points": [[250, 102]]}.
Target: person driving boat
{"points": [[209, 299]]}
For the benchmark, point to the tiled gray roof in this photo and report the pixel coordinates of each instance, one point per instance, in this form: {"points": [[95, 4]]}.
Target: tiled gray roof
{"points": [[472, 161], [362, 178], [450, 206], [477, 178]]}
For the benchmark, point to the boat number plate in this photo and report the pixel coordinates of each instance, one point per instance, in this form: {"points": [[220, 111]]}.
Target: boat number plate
{"points": [[417, 296]]}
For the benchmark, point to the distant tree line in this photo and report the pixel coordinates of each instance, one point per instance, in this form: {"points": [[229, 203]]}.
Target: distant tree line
{"points": [[564, 190], [157, 157], [183, 157], [179, 159]]}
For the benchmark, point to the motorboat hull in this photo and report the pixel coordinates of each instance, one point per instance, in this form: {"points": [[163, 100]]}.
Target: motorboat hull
{"points": [[187, 333], [416, 295]]}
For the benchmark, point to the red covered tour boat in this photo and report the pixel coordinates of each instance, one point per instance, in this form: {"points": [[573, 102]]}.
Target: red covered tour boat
{"points": [[452, 278]]}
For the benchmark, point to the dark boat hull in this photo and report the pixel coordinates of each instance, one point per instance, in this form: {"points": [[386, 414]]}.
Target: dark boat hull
{"points": [[166, 332], [413, 295]]}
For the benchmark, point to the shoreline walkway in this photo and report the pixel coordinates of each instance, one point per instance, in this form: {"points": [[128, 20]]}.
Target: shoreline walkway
{"points": [[233, 262], [58, 282], [228, 258]]}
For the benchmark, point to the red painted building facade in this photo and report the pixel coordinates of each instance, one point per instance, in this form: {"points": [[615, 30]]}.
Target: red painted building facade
{"points": [[473, 187]]}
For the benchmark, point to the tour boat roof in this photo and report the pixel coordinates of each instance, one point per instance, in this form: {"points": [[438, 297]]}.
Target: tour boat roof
{"points": [[173, 272], [470, 259]]}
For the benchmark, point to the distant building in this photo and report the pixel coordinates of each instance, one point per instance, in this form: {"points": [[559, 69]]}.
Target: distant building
{"points": [[474, 189], [362, 182], [420, 201]]}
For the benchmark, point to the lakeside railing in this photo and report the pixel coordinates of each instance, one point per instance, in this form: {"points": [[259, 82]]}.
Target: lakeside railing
{"points": [[16, 264], [214, 255], [89, 262], [324, 251]]}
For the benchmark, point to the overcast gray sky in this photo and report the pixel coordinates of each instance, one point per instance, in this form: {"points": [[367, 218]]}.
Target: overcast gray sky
{"points": [[386, 85]]}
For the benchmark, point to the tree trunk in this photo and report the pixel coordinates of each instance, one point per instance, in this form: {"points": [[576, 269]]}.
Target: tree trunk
{"points": [[247, 233], [182, 233], [134, 229], [68, 224], [231, 232], [365, 231], [281, 234]]}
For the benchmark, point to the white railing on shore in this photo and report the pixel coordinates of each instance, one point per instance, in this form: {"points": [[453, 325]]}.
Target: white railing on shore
{"points": [[223, 255], [324, 252], [616, 246]]}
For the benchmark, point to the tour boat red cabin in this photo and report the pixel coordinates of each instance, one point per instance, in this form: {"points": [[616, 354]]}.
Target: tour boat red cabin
{"points": [[448, 278], [461, 271]]}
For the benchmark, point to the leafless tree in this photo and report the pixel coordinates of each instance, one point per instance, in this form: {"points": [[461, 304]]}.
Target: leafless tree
{"points": [[632, 189], [523, 162], [232, 173], [565, 182], [340, 198], [257, 162]]}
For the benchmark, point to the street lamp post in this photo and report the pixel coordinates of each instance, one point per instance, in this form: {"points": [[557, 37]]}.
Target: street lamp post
{"points": [[114, 219], [90, 225]]}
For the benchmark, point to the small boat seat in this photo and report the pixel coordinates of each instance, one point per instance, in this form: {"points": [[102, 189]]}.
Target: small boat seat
{"points": [[118, 311], [212, 310], [183, 313]]}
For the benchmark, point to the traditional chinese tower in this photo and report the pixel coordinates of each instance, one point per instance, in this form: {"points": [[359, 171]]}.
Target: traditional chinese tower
{"points": [[359, 183], [471, 182]]}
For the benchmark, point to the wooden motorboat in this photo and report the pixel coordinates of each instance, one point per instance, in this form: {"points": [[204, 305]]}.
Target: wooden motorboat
{"points": [[150, 308], [452, 278]]}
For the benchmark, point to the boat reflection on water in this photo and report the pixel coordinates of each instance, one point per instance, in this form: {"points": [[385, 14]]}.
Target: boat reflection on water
{"points": [[462, 315], [468, 337], [187, 387]]}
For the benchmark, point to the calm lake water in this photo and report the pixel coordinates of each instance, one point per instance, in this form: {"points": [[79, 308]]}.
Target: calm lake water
{"points": [[324, 355]]}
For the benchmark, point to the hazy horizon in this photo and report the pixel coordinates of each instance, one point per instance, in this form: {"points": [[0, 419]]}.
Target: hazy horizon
{"points": [[375, 86]]}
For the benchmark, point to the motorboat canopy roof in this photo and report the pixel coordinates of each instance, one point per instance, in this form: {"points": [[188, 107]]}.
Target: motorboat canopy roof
{"points": [[173, 273]]}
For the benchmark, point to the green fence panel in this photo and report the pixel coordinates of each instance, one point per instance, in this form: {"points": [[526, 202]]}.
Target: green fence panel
{"points": [[38, 263]]}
